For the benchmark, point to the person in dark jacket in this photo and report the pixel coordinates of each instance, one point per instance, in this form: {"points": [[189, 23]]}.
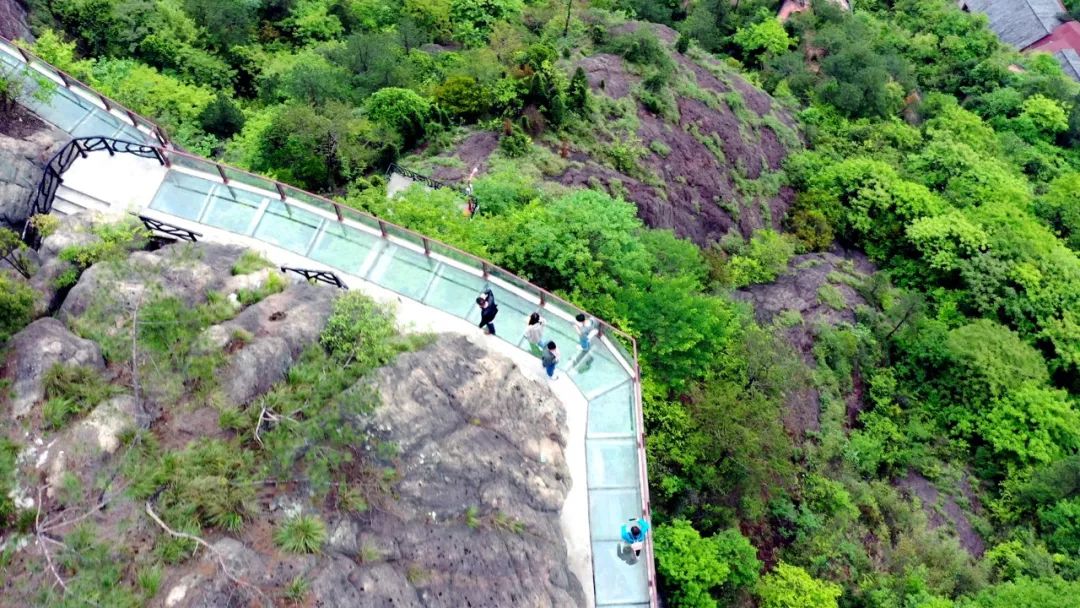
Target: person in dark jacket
{"points": [[488, 310]]}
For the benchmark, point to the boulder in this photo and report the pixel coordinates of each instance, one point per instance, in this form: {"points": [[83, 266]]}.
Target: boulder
{"points": [[280, 328], [22, 162], [34, 350], [188, 271]]}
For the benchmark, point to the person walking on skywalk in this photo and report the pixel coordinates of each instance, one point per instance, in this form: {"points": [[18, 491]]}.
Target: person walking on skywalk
{"points": [[534, 333], [632, 537], [488, 310]]}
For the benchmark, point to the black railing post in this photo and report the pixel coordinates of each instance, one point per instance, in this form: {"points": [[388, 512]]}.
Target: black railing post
{"points": [[79, 147], [108, 147], [427, 246], [382, 228]]}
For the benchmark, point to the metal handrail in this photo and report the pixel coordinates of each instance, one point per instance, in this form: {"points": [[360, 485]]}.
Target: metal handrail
{"points": [[419, 177], [72, 83], [41, 199]]}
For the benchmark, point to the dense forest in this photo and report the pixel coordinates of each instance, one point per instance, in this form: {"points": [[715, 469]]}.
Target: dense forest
{"points": [[937, 166]]}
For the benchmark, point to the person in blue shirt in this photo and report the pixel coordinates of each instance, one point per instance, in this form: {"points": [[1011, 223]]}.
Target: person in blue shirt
{"points": [[633, 534]]}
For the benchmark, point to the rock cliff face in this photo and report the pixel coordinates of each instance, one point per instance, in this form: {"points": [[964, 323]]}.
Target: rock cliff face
{"points": [[13, 20], [475, 515], [23, 153], [468, 497]]}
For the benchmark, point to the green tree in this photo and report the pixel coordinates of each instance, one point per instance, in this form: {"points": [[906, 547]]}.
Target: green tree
{"points": [[221, 117], [403, 111], [792, 587], [1060, 208], [696, 569], [462, 96], [1040, 119], [766, 38]]}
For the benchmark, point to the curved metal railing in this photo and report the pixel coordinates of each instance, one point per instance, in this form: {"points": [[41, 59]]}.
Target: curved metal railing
{"points": [[41, 199]]}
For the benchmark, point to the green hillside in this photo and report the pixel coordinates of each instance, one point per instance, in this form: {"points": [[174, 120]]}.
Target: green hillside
{"points": [[849, 245]]}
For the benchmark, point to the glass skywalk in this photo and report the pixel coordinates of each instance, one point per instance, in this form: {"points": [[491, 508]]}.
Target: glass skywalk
{"points": [[361, 247]]}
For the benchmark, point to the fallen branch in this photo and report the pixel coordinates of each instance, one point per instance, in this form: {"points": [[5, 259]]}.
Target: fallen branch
{"points": [[41, 543], [267, 415], [217, 554]]}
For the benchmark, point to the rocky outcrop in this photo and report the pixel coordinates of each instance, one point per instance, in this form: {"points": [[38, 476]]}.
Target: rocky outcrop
{"points": [[188, 271], [817, 289], [33, 351], [13, 20], [22, 161], [268, 336], [474, 517]]}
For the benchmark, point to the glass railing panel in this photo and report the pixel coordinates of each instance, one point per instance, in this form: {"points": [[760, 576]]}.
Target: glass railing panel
{"points": [[404, 235], [233, 209], [253, 181], [609, 510], [196, 164], [596, 369], [182, 195], [616, 582], [404, 271], [455, 291], [99, 123], [612, 463], [7, 62], [612, 413], [63, 108], [288, 227], [310, 199], [343, 247]]}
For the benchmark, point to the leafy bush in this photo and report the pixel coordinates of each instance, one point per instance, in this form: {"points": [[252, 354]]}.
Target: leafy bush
{"points": [[402, 110], [516, 144], [115, 241], [72, 390], [791, 587], [301, 534], [359, 330], [16, 306]]}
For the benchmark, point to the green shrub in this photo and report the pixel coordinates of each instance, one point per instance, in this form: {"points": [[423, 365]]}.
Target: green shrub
{"points": [[9, 451], [297, 590], [275, 283], [301, 534], [116, 240], [698, 569], [359, 330], [72, 390], [16, 306], [515, 145], [250, 261], [792, 587], [209, 483], [830, 296]]}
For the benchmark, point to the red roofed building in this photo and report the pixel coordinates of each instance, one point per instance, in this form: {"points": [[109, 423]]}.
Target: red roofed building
{"points": [[1034, 25], [1064, 43]]}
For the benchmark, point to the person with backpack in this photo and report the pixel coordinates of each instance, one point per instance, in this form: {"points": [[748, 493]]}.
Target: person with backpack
{"points": [[488, 310], [632, 534], [550, 359]]}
